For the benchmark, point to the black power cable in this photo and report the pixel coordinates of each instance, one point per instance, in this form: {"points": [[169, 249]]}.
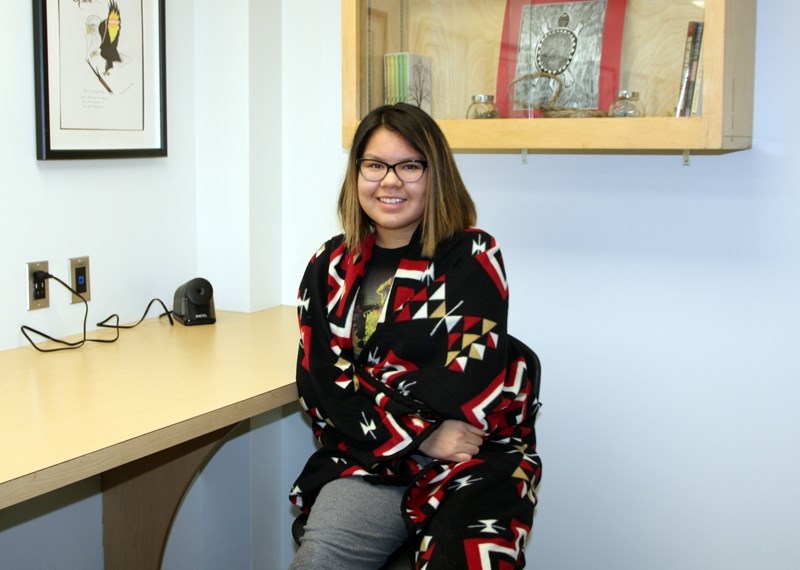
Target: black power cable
{"points": [[79, 343]]}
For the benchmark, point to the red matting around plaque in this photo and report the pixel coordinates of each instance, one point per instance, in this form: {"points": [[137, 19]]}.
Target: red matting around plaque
{"points": [[611, 49]]}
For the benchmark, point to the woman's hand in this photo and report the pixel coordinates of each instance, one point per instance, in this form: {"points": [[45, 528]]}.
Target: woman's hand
{"points": [[454, 441]]}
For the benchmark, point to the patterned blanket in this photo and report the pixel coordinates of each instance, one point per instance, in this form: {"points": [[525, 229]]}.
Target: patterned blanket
{"points": [[440, 351]]}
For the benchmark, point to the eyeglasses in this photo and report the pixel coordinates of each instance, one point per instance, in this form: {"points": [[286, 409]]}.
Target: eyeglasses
{"points": [[406, 170]]}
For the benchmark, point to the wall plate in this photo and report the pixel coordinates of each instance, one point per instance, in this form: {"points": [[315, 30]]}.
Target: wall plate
{"points": [[38, 294], [79, 278]]}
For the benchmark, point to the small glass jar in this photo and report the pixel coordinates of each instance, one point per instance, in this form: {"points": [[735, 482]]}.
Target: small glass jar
{"points": [[482, 107], [626, 104]]}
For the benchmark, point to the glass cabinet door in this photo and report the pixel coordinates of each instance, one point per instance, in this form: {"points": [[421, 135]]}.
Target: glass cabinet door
{"points": [[553, 68]]}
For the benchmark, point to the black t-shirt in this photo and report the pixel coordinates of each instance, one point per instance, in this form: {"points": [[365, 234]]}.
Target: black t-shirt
{"points": [[374, 292]]}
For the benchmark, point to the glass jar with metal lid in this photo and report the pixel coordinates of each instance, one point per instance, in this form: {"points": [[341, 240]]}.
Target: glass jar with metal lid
{"points": [[627, 104], [482, 107]]}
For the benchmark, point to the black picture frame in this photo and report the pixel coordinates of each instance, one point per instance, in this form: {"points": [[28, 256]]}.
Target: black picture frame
{"points": [[100, 79]]}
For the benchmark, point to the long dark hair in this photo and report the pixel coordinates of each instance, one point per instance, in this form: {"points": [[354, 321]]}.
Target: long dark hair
{"points": [[449, 208]]}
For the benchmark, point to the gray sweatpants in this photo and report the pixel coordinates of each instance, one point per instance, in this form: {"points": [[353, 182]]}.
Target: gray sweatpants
{"points": [[353, 525]]}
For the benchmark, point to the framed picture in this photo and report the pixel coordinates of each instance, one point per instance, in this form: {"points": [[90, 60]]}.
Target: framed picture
{"points": [[100, 74], [559, 54]]}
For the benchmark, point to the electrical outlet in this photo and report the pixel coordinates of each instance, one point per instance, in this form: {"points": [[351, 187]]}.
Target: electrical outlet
{"points": [[79, 277], [38, 290]]}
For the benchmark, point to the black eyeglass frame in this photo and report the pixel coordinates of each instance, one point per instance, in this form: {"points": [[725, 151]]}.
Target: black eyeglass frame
{"points": [[392, 167]]}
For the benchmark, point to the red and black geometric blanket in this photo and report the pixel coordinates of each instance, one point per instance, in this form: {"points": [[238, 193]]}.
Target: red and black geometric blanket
{"points": [[440, 351]]}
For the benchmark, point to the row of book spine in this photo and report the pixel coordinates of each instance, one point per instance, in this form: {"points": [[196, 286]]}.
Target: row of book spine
{"points": [[407, 79], [689, 95], [396, 74]]}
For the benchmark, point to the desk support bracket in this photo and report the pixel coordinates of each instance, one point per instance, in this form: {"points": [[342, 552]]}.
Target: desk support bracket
{"points": [[141, 499]]}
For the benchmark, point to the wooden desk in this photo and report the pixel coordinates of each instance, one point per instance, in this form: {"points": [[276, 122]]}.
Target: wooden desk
{"points": [[147, 409]]}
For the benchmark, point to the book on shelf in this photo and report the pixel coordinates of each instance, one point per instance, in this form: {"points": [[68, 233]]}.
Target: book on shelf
{"points": [[689, 71], [407, 79], [697, 96]]}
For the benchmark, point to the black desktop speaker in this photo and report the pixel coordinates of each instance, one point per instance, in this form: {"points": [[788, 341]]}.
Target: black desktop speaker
{"points": [[194, 303]]}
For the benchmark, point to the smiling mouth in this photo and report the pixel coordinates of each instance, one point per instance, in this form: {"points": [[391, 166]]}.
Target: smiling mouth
{"points": [[391, 200]]}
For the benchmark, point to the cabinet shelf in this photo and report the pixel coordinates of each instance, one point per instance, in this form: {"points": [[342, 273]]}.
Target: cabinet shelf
{"points": [[652, 51]]}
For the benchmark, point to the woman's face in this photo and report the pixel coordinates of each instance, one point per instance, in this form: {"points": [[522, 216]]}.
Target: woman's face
{"points": [[395, 207]]}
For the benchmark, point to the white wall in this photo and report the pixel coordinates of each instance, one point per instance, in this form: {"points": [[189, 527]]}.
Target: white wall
{"points": [[661, 298], [212, 208], [238, 165], [135, 219], [313, 158]]}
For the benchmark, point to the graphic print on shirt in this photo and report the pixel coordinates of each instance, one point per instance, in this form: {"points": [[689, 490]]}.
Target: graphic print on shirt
{"points": [[368, 311], [373, 295]]}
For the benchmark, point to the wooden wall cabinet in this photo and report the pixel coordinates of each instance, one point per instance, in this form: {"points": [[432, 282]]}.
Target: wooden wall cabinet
{"points": [[462, 39]]}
